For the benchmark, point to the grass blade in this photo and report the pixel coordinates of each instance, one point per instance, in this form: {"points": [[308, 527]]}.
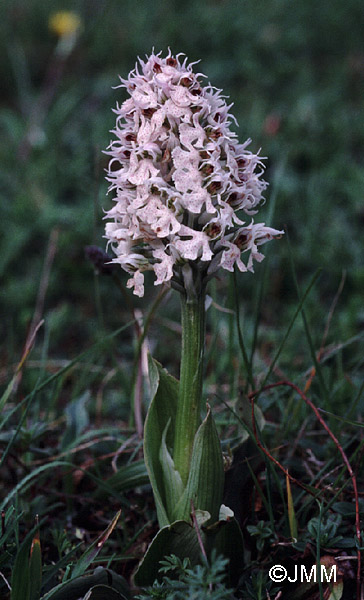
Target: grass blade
{"points": [[35, 568], [291, 512], [91, 553]]}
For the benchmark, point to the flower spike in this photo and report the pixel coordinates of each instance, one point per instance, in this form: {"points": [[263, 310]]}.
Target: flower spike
{"points": [[180, 177]]}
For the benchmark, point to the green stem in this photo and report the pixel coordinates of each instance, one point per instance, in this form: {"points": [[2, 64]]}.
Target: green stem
{"points": [[188, 416]]}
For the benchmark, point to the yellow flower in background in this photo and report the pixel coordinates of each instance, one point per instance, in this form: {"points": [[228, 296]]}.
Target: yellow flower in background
{"points": [[64, 23]]}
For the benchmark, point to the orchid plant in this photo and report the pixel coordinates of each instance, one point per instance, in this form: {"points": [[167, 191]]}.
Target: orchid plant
{"points": [[182, 184]]}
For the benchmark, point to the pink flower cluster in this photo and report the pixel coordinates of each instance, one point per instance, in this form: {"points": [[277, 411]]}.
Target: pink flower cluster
{"points": [[180, 178]]}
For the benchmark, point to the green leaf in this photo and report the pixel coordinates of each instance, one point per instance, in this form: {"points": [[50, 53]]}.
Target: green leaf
{"points": [[77, 419], [20, 579], [344, 508], [291, 512], [5, 396], [126, 478], [153, 371], [103, 592], [229, 542], [173, 484], [206, 478], [337, 591], [35, 568], [162, 410], [180, 538], [78, 587]]}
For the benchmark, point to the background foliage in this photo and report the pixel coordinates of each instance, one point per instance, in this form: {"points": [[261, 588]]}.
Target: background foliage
{"points": [[295, 71]]}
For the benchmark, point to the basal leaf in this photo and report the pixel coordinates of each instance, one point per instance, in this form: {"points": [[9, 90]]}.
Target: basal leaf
{"points": [[228, 541], [180, 538], [162, 410], [173, 484], [206, 479], [78, 587], [103, 592]]}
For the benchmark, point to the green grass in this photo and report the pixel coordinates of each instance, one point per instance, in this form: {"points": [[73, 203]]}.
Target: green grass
{"points": [[69, 450]]}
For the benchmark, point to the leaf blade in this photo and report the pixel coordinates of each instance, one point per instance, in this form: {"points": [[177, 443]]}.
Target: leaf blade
{"points": [[35, 568], [206, 478], [20, 579], [163, 408], [87, 557]]}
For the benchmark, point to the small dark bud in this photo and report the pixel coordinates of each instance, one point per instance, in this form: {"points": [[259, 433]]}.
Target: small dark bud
{"points": [[99, 259]]}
